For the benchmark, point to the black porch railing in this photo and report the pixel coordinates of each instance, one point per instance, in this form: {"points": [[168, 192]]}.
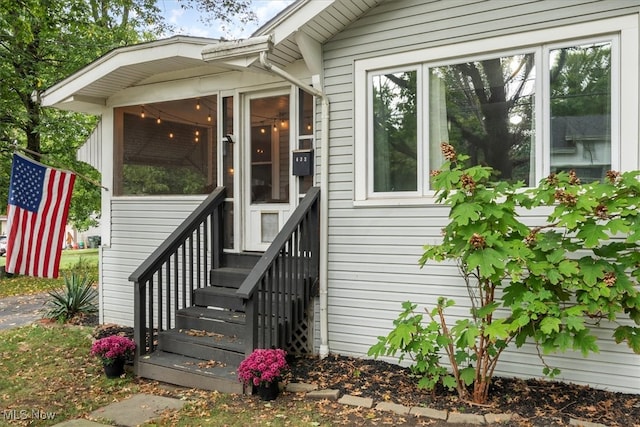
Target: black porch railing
{"points": [[278, 290], [165, 281]]}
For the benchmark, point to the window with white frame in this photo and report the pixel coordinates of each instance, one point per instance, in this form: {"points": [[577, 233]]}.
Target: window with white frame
{"points": [[525, 112]]}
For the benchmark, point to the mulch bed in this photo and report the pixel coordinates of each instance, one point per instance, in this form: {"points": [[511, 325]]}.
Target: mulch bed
{"points": [[537, 402]]}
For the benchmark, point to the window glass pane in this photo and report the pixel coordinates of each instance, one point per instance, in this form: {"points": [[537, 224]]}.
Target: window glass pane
{"points": [[395, 148], [485, 110], [305, 113], [580, 84], [227, 149], [167, 148]]}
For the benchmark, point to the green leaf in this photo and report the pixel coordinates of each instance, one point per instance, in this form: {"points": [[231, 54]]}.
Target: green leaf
{"points": [[563, 341], [575, 323], [466, 213], [592, 234], [482, 312], [549, 325], [585, 342], [467, 375], [629, 334], [487, 260], [554, 276], [591, 270], [498, 329], [568, 268], [618, 226], [571, 219], [449, 382]]}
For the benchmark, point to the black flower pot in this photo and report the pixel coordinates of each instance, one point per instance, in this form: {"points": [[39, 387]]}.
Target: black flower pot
{"points": [[269, 391], [114, 370]]}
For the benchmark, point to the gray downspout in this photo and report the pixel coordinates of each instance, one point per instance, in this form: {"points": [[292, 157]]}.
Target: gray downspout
{"points": [[324, 196]]}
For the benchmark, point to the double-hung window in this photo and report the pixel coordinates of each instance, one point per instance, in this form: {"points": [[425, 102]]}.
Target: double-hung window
{"points": [[540, 105]]}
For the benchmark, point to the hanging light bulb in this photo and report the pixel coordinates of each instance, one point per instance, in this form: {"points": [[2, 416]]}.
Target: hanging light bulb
{"points": [[170, 134], [209, 116], [197, 139], [309, 126], [142, 114], [198, 104], [275, 128], [197, 132], [158, 120], [262, 130]]}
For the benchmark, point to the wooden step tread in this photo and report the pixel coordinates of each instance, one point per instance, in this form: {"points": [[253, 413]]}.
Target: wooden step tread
{"points": [[189, 372], [204, 338], [229, 277], [213, 314]]}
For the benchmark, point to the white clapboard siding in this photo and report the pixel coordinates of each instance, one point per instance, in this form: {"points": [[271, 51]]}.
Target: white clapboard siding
{"points": [[139, 226], [90, 151], [374, 250]]}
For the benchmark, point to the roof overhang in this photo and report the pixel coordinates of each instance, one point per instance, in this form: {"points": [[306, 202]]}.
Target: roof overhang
{"points": [[88, 89], [237, 54]]}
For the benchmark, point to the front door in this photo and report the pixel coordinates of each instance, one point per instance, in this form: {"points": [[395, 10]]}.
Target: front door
{"points": [[268, 185]]}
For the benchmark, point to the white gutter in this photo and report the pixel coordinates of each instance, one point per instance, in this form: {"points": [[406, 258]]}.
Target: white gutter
{"points": [[324, 196]]}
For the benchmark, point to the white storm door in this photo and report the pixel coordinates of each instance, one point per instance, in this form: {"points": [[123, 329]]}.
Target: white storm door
{"points": [[267, 162]]}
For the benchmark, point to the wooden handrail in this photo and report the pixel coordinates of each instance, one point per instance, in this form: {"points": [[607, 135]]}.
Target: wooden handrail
{"points": [[177, 237], [278, 290], [165, 281], [248, 287]]}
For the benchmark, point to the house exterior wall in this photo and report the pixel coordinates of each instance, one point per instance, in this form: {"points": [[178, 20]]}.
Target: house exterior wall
{"points": [[138, 226], [374, 249]]}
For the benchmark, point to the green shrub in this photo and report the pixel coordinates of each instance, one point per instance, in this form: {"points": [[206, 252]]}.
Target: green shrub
{"points": [[77, 297], [548, 284]]}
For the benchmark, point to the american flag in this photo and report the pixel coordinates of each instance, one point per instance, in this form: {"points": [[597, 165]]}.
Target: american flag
{"points": [[37, 215]]}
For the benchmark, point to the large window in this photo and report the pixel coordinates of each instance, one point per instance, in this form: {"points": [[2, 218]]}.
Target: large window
{"points": [[166, 148], [526, 112]]}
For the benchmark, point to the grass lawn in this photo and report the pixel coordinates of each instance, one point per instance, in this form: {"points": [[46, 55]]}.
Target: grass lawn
{"points": [[86, 259], [48, 369]]}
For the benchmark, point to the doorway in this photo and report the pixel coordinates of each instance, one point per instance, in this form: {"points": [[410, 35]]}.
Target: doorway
{"points": [[268, 185]]}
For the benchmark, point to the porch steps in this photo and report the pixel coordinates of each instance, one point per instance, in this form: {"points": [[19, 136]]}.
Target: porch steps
{"points": [[207, 344], [189, 372]]}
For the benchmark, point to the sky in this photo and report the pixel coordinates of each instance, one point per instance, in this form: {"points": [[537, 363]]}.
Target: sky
{"points": [[187, 22]]}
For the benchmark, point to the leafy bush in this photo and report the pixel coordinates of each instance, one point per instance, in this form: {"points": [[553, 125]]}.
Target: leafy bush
{"points": [[548, 283], [77, 297]]}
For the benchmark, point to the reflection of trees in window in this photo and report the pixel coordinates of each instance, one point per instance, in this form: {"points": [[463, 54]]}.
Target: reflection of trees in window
{"points": [[141, 179], [489, 107], [580, 85], [395, 162]]}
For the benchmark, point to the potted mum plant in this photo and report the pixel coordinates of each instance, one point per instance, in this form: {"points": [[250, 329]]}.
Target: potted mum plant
{"points": [[263, 369], [113, 351]]}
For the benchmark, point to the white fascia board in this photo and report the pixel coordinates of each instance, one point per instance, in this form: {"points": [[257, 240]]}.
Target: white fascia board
{"points": [[118, 58], [238, 51]]}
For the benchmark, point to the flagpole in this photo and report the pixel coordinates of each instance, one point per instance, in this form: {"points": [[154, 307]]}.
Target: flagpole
{"points": [[86, 178]]}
